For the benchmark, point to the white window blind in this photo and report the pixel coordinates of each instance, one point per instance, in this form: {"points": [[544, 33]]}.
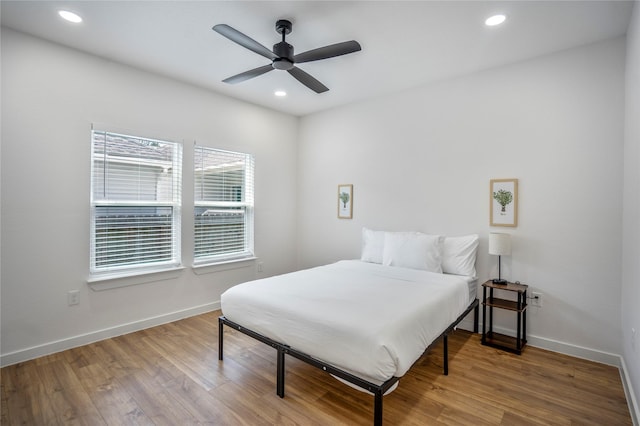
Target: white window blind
{"points": [[135, 202], [223, 210]]}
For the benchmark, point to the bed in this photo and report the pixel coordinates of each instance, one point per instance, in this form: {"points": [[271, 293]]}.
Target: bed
{"points": [[364, 321]]}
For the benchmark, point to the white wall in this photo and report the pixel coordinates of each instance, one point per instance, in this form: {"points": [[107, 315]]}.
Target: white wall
{"points": [[50, 97], [422, 160], [631, 217]]}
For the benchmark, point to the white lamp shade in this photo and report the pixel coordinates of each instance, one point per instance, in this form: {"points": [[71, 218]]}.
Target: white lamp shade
{"points": [[499, 244]]}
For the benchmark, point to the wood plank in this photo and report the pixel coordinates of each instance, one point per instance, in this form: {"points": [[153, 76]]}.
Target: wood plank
{"points": [[248, 406], [70, 402], [21, 397], [116, 404], [155, 401]]}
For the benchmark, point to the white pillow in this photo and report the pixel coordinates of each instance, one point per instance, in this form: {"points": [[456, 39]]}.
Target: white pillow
{"points": [[413, 250], [372, 245], [459, 255]]}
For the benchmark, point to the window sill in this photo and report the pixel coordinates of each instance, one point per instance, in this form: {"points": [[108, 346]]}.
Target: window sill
{"points": [[209, 268], [110, 281]]}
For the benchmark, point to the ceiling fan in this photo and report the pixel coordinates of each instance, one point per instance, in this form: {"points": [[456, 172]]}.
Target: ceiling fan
{"points": [[282, 56]]}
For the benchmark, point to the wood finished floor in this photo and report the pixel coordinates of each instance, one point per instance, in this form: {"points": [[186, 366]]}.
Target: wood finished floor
{"points": [[170, 375]]}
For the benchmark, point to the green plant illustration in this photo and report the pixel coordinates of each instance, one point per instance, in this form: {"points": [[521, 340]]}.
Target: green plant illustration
{"points": [[344, 197], [503, 198]]}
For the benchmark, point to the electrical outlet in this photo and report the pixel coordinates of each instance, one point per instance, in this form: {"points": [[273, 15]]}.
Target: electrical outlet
{"points": [[73, 297], [260, 266], [536, 299]]}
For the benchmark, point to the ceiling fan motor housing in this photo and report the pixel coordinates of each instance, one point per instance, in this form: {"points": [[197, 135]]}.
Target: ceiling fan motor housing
{"points": [[284, 51]]}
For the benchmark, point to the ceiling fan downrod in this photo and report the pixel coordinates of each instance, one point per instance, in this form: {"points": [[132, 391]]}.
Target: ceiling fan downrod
{"points": [[283, 50]]}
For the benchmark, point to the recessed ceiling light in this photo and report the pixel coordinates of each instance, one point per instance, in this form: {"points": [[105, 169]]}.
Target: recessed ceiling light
{"points": [[70, 16], [280, 93], [495, 20]]}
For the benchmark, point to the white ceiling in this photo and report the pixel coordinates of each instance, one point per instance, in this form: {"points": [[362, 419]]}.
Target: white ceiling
{"points": [[404, 44]]}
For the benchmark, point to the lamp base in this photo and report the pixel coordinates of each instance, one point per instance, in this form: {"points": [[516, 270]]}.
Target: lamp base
{"points": [[499, 281]]}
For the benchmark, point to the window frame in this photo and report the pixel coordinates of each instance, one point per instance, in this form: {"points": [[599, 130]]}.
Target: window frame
{"points": [[246, 204], [106, 201]]}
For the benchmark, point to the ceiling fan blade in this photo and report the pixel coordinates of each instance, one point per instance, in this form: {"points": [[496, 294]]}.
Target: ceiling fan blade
{"points": [[244, 41], [307, 80], [248, 74], [328, 51]]}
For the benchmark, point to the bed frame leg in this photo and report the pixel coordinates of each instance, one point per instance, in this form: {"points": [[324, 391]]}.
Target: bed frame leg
{"points": [[377, 409], [280, 374], [220, 337], [446, 355], [476, 314]]}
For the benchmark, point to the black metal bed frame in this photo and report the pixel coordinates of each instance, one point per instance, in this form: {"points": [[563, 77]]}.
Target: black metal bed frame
{"points": [[377, 390]]}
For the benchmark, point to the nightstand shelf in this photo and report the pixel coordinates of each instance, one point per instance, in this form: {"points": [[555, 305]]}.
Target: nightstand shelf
{"points": [[519, 306]]}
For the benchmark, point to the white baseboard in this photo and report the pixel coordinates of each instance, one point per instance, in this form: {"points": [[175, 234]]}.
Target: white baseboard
{"points": [[572, 350], [634, 409], [553, 345], [84, 339]]}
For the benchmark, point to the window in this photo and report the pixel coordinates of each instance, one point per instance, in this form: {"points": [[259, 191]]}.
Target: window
{"points": [[223, 211], [135, 203]]}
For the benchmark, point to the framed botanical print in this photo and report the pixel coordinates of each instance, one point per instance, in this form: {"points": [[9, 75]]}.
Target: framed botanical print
{"points": [[503, 199], [345, 201]]}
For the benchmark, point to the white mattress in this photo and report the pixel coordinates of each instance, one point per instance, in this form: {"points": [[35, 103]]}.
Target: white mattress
{"points": [[371, 320]]}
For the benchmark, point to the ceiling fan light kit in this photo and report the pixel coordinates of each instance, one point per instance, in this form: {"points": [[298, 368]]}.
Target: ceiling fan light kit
{"points": [[282, 57]]}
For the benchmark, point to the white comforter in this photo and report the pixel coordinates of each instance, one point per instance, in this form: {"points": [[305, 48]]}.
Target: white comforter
{"points": [[372, 320]]}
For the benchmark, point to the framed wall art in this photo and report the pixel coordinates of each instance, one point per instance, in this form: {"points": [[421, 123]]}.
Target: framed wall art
{"points": [[345, 201], [503, 199]]}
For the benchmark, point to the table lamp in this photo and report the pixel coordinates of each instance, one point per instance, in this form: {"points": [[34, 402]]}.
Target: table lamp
{"points": [[499, 245]]}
